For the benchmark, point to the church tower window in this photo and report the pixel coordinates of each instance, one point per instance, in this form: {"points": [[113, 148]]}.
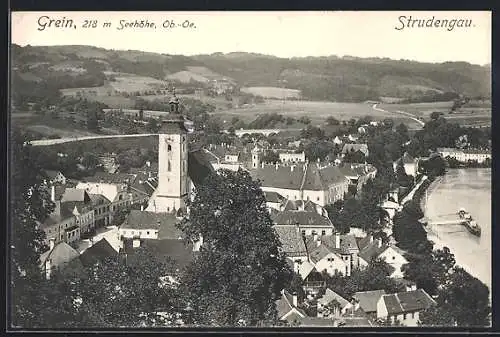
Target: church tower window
{"points": [[169, 147], [169, 166]]}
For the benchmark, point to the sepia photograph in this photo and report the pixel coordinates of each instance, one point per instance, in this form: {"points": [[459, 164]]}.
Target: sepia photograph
{"points": [[262, 169]]}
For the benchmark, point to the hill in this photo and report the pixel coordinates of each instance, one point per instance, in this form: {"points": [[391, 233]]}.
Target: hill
{"points": [[347, 79]]}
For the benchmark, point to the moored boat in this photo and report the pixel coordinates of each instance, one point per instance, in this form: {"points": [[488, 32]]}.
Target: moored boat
{"points": [[473, 227]]}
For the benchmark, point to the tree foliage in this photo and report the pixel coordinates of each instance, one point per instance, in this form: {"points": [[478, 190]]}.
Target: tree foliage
{"points": [[240, 270]]}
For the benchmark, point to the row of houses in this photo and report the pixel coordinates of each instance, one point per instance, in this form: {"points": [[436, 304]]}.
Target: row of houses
{"points": [[364, 309], [83, 206], [465, 155]]}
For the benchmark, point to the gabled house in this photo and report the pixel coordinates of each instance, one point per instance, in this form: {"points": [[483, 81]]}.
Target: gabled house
{"points": [[148, 225], [327, 260], [404, 307], [332, 304], [410, 164], [57, 257], [102, 211], [54, 177], [302, 205], [309, 223], [79, 203], [292, 244], [97, 252], [374, 248], [368, 300], [274, 200], [287, 307]]}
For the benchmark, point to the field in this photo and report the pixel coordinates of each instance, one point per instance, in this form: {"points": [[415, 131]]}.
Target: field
{"points": [[471, 116], [272, 92], [316, 111], [187, 76]]}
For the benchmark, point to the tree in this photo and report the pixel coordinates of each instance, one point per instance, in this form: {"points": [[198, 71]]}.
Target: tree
{"points": [[402, 178], [30, 204], [119, 216], [355, 157], [332, 121], [437, 316], [408, 231], [90, 161], [304, 120], [435, 115], [126, 292], [271, 157], [239, 271], [468, 299]]}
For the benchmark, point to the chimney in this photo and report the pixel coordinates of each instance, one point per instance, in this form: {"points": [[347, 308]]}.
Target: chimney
{"points": [[379, 243], [52, 243], [53, 193], [148, 163], [142, 208], [356, 305], [277, 165], [91, 242], [318, 242], [297, 226], [149, 175], [337, 240], [315, 237], [371, 238], [136, 242], [295, 300], [291, 168]]}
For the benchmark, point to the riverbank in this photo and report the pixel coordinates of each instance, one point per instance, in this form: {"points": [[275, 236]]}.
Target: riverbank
{"points": [[433, 185], [470, 189]]}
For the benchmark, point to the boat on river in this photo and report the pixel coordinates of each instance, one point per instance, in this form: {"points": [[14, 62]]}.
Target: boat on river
{"points": [[469, 223]]}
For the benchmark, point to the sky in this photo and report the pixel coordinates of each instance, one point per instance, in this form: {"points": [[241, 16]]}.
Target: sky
{"points": [[283, 34]]}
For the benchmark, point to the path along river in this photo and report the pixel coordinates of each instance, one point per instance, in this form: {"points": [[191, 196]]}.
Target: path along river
{"points": [[470, 189]]}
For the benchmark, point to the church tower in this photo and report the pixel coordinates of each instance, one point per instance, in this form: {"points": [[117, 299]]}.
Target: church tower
{"points": [[173, 181], [256, 153]]}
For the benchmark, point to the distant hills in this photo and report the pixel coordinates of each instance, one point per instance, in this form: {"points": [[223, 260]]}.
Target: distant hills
{"points": [[347, 79]]}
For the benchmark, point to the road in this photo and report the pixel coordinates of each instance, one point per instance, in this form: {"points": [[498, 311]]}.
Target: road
{"points": [[407, 114], [48, 142], [409, 196]]}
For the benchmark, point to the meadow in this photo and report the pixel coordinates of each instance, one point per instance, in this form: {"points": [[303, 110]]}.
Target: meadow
{"points": [[317, 111], [272, 92], [469, 115]]}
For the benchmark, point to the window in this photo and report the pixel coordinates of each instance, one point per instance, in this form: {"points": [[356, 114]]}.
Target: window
{"points": [[323, 232], [404, 316], [313, 232], [303, 233], [307, 198], [412, 315], [147, 232], [317, 199], [183, 138], [169, 166], [169, 147], [394, 258]]}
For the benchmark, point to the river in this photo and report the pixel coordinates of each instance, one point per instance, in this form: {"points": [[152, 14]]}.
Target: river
{"points": [[470, 189]]}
